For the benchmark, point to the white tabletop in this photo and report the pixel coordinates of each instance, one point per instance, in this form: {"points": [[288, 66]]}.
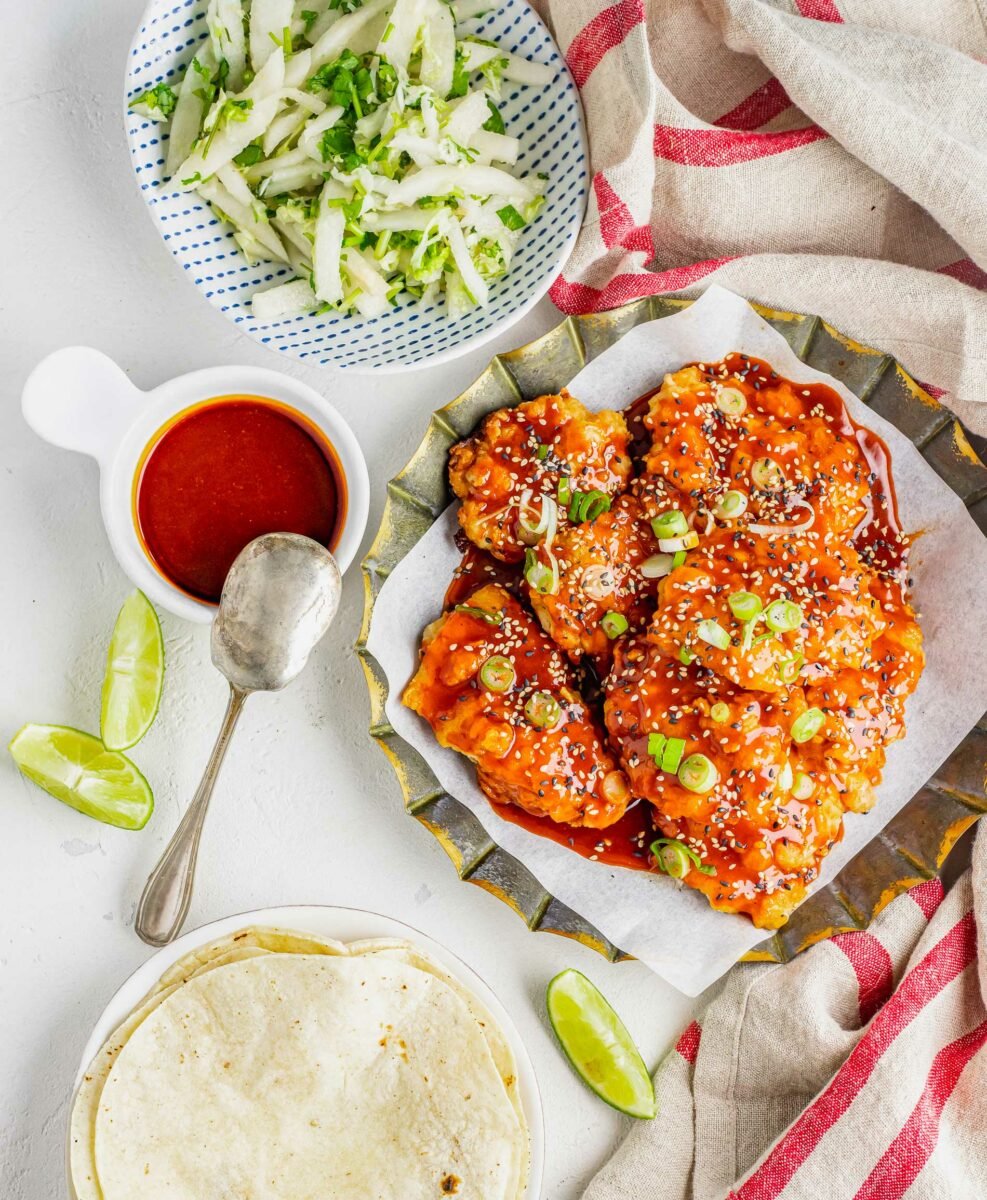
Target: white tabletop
{"points": [[308, 810]]}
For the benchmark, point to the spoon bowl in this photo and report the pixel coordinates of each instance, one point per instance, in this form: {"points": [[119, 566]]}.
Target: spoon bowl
{"points": [[280, 597]]}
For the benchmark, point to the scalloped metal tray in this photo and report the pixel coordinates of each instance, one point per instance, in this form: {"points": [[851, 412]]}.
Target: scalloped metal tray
{"points": [[912, 847]]}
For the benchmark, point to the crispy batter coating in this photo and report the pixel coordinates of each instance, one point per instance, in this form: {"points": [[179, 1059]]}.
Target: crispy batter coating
{"points": [[701, 451], [865, 709], [532, 447], [841, 614], [790, 724], [760, 844], [560, 768], [599, 573]]}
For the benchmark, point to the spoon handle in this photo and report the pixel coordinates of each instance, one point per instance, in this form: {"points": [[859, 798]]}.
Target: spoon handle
{"points": [[167, 894]]}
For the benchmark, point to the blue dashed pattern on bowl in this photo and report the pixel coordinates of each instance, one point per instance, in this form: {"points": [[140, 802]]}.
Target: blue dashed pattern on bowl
{"points": [[547, 120]]}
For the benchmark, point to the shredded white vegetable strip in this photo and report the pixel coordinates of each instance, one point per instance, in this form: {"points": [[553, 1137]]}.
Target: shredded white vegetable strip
{"points": [[360, 142]]}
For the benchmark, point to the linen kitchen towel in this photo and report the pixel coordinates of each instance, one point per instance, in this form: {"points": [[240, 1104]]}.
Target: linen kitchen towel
{"points": [[855, 1072], [822, 156]]}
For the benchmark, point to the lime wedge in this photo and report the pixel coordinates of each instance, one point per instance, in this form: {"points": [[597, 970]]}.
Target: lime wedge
{"points": [[597, 1043], [77, 769], [134, 675]]}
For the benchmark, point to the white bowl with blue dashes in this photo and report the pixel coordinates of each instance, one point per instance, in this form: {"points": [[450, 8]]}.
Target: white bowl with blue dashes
{"points": [[547, 120]]}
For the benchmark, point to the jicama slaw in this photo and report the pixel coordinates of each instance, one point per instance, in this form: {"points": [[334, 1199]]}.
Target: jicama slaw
{"points": [[358, 141]]}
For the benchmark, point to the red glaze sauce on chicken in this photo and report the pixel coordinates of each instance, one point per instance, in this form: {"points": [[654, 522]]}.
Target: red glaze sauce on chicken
{"points": [[493, 687], [743, 607], [525, 452]]}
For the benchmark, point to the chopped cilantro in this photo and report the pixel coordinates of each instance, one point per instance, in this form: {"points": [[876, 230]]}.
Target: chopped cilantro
{"points": [[460, 76], [511, 217], [161, 98], [230, 112], [249, 155], [495, 122]]}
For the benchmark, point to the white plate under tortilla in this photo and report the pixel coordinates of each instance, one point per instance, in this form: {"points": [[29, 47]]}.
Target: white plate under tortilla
{"points": [[345, 925]]}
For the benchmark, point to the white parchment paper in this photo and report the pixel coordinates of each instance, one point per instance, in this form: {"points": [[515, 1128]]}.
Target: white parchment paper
{"points": [[668, 927]]}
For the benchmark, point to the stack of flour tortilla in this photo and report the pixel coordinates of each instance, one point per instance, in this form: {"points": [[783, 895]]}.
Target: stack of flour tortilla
{"points": [[278, 1065]]}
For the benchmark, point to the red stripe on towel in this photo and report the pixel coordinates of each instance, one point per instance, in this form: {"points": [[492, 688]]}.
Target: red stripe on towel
{"points": [[688, 1043], [819, 10], [950, 956], [902, 1162], [606, 31], [761, 106], [873, 967], [966, 272], [581, 298], [727, 147], [929, 895], [617, 226]]}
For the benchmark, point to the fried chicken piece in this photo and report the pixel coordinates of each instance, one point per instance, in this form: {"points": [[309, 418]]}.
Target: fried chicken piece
{"points": [[527, 450], [762, 826], [599, 564], [839, 621], [493, 687], [778, 443], [865, 709]]}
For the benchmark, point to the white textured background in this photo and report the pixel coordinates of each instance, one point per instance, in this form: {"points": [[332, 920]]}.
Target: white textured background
{"points": [[308, 810]]}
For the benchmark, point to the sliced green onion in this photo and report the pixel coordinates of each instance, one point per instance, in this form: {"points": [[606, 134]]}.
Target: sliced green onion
{"points": [[748, 638], [491, 618], [698, 774], [545, 580], [720, 712], [672, 858], [564, 491], [597, 503], [767, 475], [657, 566], [542, 451], [678, 558], [497, 674], [802, 787], [671, 754], [670, 524], [789, 669], [675, 858], [543, 710], [731, 401], [587, 506], [808, 724], [656, 743], [786, 778], [713, 633], [730, 505], [686, 656], [614, 624], [745, 606], [783, 616], [675, 545]]}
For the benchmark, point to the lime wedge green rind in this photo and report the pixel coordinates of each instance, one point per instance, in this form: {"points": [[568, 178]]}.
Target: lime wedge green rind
{"points": [[134, 675], [598, 1046], [77, 769]]}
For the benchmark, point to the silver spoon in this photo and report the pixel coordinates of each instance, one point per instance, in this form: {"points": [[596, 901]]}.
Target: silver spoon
{"points": [[279, 598]]}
